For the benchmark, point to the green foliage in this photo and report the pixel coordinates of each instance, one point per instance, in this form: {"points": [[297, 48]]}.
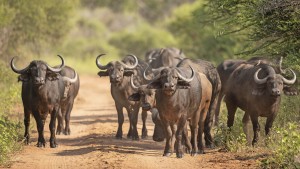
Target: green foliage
{"points": [[141, 40], [285, 144], [9, 137], [9, 96], [152, 11], [233, 139], [32, 25], [271, 26], [198, 39]]}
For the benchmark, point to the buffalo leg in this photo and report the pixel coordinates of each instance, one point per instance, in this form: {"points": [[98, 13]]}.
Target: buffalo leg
{"points": [[129, 113], [135, 114], [269, 124], [218, 106], [60, 122], [120, 121], [40, 127], [245, 121], [231, 108], [67, 130], [180, 130], [53, 143], [144, 129], [185, 140], [207, 129], [201, 125], [256, 127], [168, 131], [26, 124]]}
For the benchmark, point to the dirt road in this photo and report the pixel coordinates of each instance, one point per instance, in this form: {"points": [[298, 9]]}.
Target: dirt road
{"points": [[92, 143]]}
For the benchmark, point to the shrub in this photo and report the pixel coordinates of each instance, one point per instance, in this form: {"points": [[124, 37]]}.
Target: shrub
{"points": [[9, 130], [285, 145]]}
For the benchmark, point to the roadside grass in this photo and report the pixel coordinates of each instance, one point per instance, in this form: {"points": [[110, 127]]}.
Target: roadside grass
{"points": [[10, 128], [283, 143]]}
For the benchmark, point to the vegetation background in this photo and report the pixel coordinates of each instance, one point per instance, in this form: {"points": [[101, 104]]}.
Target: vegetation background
{"points": [[213, 30]]}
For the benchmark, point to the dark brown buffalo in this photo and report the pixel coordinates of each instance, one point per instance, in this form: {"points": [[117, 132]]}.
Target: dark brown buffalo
{"points": [[164, 57], [42, 93], [256, 89], [146, 97], [228, 66], [70, 93], [178, 99], [119, 73]]}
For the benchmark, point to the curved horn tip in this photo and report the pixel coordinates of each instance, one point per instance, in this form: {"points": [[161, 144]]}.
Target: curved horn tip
{"points": [[292, 81], [132, 83], [187, 79], [12, 65], [99, 64], [257, 80]]}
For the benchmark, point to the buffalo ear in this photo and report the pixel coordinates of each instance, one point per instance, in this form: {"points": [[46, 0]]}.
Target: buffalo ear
{"points": [[23, 77], [102, 73], [52, 75], [128, 72], [183, 85], [290, 91], [154, 85], [134, 97]]}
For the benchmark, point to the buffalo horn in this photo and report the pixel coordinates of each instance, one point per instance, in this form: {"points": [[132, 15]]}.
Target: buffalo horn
{"points": [[144, 74], [133, 66], [187, 79], [21, 71], [292, 81], [99, 64], [65, 78], [56, 70], [132, 84], [257, 80]]}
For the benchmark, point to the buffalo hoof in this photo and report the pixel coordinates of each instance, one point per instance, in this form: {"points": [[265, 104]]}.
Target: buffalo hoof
{"points": [[193, 153], [179, 155], [135, 138], [167, 154], [144, 134], [119, 137], [58, 132], [67, 132], [26, 141], [41, 144], [210, 146], [53, 145], [201, 152]]}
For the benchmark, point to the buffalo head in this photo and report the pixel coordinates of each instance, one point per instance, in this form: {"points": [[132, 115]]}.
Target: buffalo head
{"points": [[116, 70], [39, 71], [144, 95], [274, 82], [170, 79]]}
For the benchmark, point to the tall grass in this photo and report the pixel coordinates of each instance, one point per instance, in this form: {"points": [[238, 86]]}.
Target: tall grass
{"points": [[283, 143], [9, 128]]}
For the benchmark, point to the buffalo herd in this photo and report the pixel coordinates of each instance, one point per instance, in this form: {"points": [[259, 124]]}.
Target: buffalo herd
{"points": [[178, 91]]}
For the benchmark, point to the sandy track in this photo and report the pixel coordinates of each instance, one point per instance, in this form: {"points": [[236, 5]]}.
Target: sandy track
{"points": [[92, 143]]}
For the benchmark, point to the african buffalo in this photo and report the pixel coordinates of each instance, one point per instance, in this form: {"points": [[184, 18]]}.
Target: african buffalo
{"points": [[178, 99], [146, 97], [70, 93], [164, 57], [119, 73], [256, 89], [42, 93], [228, 66]]}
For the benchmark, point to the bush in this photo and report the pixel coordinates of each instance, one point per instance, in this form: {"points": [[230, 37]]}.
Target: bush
{"points": [[9, 130], [140, 40], [285, 145]]}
